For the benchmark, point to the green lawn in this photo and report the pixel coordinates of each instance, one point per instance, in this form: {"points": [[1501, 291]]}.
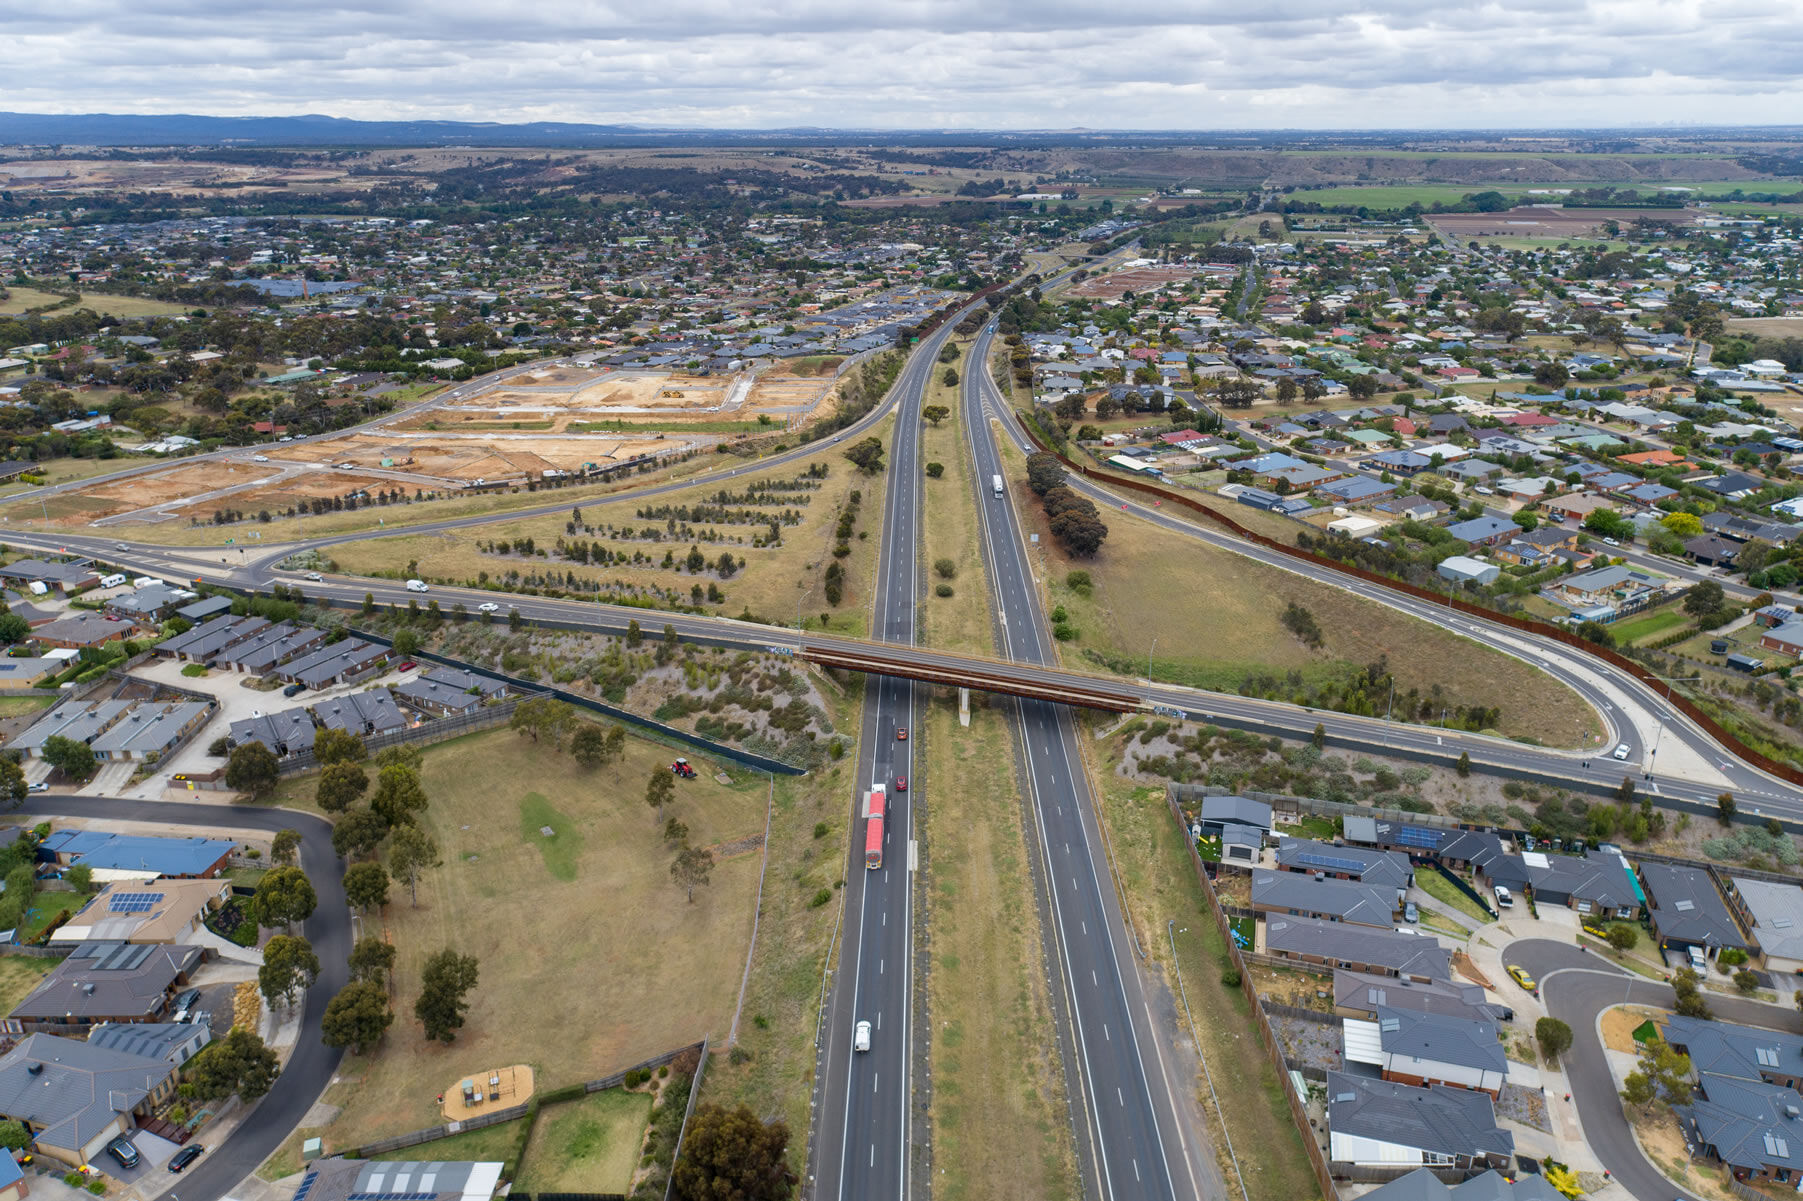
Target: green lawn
{"points": [[15, 706], [561, 849], [587, 1146], [487, 1144], [1440, 888], [44, 909], [1661, 622], [19, 974]]}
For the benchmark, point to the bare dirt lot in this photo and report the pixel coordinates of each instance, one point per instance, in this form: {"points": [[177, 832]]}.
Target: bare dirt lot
{"points": [[461, 457], [1139, 279], [140, 492], [1537, 221]]}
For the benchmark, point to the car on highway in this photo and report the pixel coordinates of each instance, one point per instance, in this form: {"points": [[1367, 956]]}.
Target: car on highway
{"points": [[901, 783], [120, 546], [901, 734], [186, 1156], [1521, 977], [488, 607], [316, 577], [860, 1039], [122, 1150], [1621, 752]]}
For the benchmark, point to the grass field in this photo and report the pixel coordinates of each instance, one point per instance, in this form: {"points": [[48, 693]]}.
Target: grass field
{"points": [[105, 305], [589, 949], [490, 1143], [587, 1146], [772, 582], [949, 521], [16, 706], [1218, 619], [1440, 888], [1001, 1127], [1661, 622], [19, 974], [64, 471], [1160, 886]]}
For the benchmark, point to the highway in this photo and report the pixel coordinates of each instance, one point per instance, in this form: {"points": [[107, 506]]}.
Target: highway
{"points": [[1132, 1144]]}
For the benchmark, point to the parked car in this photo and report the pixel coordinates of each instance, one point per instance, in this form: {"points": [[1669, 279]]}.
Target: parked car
{"points": [[293, 690], [1521, 977], [41, 786], [184, 1003], [1503, 899], [407, 665], [122, 1150], [860, 1040], [1410, 913], [186, 1156]]}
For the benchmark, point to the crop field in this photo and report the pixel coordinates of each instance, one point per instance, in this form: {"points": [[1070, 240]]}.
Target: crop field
{"points": [[617, 964]]}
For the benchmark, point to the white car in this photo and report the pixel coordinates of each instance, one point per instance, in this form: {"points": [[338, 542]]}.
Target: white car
{"points": [[1621, 752], [488, 607], [316, 577], [259, 458], [860, 1039]]}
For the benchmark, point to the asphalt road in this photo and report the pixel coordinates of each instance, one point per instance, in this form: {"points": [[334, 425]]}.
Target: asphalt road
{"points": [[1133, 1140], [1576, 987], [312, 1064]]}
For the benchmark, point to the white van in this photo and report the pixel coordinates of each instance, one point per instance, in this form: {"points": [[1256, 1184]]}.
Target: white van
{"points": [[417, 586], [1503, 899], [112, 581]]}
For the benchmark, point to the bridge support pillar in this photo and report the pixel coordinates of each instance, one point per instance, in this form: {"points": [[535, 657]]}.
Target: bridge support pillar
{"points": [[964, 707]]}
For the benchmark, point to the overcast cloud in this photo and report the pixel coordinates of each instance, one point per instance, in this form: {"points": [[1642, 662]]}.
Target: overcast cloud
{"points": [[933, 63]]}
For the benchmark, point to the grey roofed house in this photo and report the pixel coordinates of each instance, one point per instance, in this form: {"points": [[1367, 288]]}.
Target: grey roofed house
{"points": [[338, 1179], [372, 711], [205, 607], [335, 664], [151, 728], [1219, 811], [1687, 910], [149, 604], [69, 1093], [64, 576], [1775, 914], [1336, 900], [1442, 1038], [1482, 530], [1747, 1125], [1458, 1123], [1746, 1052], [1600, 879], [447, 690], [81, 721], [1423, 1185], [268, 649], [107, 982], [172, 1042], [1361, 994], [201, 643], [290, 732], [1390, 869], [1357, 948]]}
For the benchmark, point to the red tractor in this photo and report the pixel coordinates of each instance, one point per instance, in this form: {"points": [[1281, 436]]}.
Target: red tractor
{"points": [[681, 767]]}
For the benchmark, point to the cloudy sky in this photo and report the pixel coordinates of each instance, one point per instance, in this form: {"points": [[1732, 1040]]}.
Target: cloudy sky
{"points": [[1177, 64]]}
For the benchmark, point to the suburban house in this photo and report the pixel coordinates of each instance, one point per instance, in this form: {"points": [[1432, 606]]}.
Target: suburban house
{"points": [[1356, 948], [1423, 1185], [1786, 639], [447, 691], [1601, 882], [28, 673], [1748, 1126], [81, 721], [1329, 900], [204, 641], [60, 576], [1361, 995], [1687, 911], [166, 912], [372, 711], [1463, 569], [1483, 531], [151, 730], [1339, 862], [1773, 915], [83, 629], [1417, 842], [340, 663], [289, 732], [1219, 812], [13, 1186], [1576, 506], [1411, 1047], [74, 1098], [150, 605], [1540, 547], [1743, 1052], [172, 1042], [336, 1179], [271, 647], [1381, 1123], [137, 856], [106, 982], [1618, 588]]}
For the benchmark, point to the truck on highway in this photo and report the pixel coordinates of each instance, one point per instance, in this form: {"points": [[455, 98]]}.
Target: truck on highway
{"points": [[874, 801], [995, 482]]}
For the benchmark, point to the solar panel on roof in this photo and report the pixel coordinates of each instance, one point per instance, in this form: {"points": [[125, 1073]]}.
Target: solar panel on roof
{"points": [[1416, 836], [1332, 863], [134, 902], [1768, 1056], [306, 1186]]}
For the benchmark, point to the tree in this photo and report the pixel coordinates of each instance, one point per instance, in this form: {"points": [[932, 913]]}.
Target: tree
{"points": [[406, 641], [13, 1136], [1554, 1037], [358, 1016], [372, 959], [284, 848], [542, 716], [252, 768], [79, 876], [634, 635], [75, 759], [1623, 937], [591, 745], [338, 746], [1044, 473], [366, 885], [1319, 738], [676, 832], [935, 470], [949, 377], [1688, 987], [13, 788], [1464, 765], [730, 1153], [1703, 599], [1551, 375], [691, 867], [1078, 531], [1684, 525], [412, 851], [1746, 981], [284, 897], [341, 785], [660, 790], [398, 795], [935, 413], [289, 967], [1724, 808], [358, 831], [444, 992], [238, 1063], [1287, 391], [867, 454], [1639, 1090]]}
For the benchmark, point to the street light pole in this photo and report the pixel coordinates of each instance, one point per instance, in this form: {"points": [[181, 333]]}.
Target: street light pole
{"points": [[1149, 651]]}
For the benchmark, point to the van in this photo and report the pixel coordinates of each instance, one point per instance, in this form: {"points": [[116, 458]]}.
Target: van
{"points": [[1503, 899], [112, 581], [417, 586]]}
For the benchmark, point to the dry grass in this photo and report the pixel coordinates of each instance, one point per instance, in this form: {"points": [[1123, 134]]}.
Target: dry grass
{"points": [[107, 306], [19, 974], [1618, 1025], [607, 968], [961, 621], [1217, 616], [1663, 1141], [587, 1146], [773, 580], [1001, 1125], [1159, 885]]}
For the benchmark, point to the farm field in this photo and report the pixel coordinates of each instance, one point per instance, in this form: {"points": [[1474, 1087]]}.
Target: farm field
{"points": [[1219, 620], [1767, 327], [617, 964], [558, 399]]}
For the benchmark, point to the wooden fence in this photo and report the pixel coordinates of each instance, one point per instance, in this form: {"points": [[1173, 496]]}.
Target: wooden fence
{"points": [[1539, 629]]}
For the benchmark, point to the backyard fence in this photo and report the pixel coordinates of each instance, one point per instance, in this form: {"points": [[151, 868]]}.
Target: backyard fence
{"points": [[681, 1131], [439, 729]]}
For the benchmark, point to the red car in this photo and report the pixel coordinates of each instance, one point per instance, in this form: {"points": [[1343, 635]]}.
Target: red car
{"points": [[407, 665], [901, 783], [901, 734]]}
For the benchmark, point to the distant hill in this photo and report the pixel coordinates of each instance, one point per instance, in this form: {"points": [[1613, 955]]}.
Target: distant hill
{"points": [[181, 129]]}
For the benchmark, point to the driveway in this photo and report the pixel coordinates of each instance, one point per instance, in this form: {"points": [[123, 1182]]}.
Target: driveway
{"points": [[1576, 987], [311, 1066]]}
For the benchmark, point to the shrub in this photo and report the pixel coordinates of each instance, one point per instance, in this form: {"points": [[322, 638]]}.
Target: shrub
{"points": [[942, 590], [820, 829], [821, 898], [1077, 581], [945, 569], [1230, 976]]}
